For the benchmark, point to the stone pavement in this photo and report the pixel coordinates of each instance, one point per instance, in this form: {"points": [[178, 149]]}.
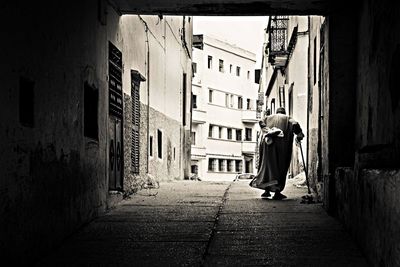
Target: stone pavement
{"points": [[194, 223]]}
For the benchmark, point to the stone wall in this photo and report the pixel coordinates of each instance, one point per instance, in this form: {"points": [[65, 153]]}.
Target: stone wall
{"points": [[369, 206], [53, 178], [134, 182], [170, 165], [367, 195]]}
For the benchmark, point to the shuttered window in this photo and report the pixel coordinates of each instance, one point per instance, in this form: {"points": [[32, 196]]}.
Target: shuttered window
{"points": [[136, 78]]}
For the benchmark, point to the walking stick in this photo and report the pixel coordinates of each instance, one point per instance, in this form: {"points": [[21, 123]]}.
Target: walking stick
{"points": [[304, 166]]}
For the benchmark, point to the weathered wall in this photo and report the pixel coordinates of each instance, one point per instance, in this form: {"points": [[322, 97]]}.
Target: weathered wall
{"points": [[134, 182], [316, 111], [163, 69], [53, 178], [297, 81], [339, 123], [368, 196], [169, 166], [378, 95], [369, 206]]}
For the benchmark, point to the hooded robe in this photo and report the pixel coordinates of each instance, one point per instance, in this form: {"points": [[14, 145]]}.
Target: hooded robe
{"points": [[275, 156]]}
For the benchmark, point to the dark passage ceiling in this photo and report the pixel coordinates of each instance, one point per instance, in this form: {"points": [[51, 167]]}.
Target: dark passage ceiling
{"points": [[223, 7]]}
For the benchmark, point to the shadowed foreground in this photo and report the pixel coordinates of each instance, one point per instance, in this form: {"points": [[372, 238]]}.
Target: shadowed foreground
{"points": [[190, 223]]}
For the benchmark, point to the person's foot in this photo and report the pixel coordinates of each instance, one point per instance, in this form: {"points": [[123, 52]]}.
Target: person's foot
{"points": [[279, 196], [266, 194]]}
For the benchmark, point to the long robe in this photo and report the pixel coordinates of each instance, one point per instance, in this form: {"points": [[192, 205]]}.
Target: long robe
{"points": [[274, 159]]}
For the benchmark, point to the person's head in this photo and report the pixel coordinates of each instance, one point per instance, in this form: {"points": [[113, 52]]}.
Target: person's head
{"points": [[281, 110]]}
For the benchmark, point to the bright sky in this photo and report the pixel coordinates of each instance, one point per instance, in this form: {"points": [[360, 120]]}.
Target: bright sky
{"points": [[244, 32]]}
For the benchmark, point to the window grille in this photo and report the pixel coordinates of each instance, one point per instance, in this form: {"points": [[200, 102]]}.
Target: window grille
{"points": [[278, 33], [136, 78]]}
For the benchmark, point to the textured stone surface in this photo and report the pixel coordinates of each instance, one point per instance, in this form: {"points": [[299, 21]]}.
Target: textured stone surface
{"points": [[369, 205], [190, 223]]}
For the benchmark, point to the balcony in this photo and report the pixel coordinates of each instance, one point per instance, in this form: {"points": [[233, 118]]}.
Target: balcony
{"points": [[249, 116], [198, 152], [199, 116], [249, 147], [280, 48]]}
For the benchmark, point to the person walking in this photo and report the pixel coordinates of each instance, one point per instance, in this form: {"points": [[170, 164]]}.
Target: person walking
{"points": [[275, 152]]}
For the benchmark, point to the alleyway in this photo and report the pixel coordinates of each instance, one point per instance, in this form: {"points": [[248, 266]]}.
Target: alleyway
{"points": [[190, 223]]}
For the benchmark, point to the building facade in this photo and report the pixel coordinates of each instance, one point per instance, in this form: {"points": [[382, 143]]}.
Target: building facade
{"points": [[157, 134], [224, 123], [284, 74]]}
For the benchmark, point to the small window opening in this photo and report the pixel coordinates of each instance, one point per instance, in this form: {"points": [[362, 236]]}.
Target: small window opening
{"points": [[159, 144]]}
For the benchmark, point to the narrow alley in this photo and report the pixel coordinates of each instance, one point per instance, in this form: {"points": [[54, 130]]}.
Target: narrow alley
{"points": [[191, 223], [124, 124]]}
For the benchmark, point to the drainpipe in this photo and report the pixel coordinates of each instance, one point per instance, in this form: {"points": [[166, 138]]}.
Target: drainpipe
{"points": [[148, 97], [146, 27], [308, 93]]}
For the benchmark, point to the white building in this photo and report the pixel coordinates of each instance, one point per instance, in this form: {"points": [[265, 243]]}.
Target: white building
{"points": [[225, 121]]}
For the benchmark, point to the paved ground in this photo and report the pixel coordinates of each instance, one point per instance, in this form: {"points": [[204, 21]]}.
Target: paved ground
{"points": [[193, 223]]}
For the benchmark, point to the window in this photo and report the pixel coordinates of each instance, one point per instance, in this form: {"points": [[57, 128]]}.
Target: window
{"points": [[151, 146], [212, 165], [273, 106], [229, 134], [194, 67], [209, 62], [195, 169], [282, 96], [174, 153], [210, 131], [248, 75], [136, 79], [240, 102], [231, 101], [257, 76], [238, 71], [221, 165], [219, 132], [90, 125], [194, 101], [238, 166], [193, 138], [231, 165], [26, 103], [221, 65], [159, 144], [230, 68], [210, 96], [248, 136], [226, 100], [248, 106], [238, 134]]}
